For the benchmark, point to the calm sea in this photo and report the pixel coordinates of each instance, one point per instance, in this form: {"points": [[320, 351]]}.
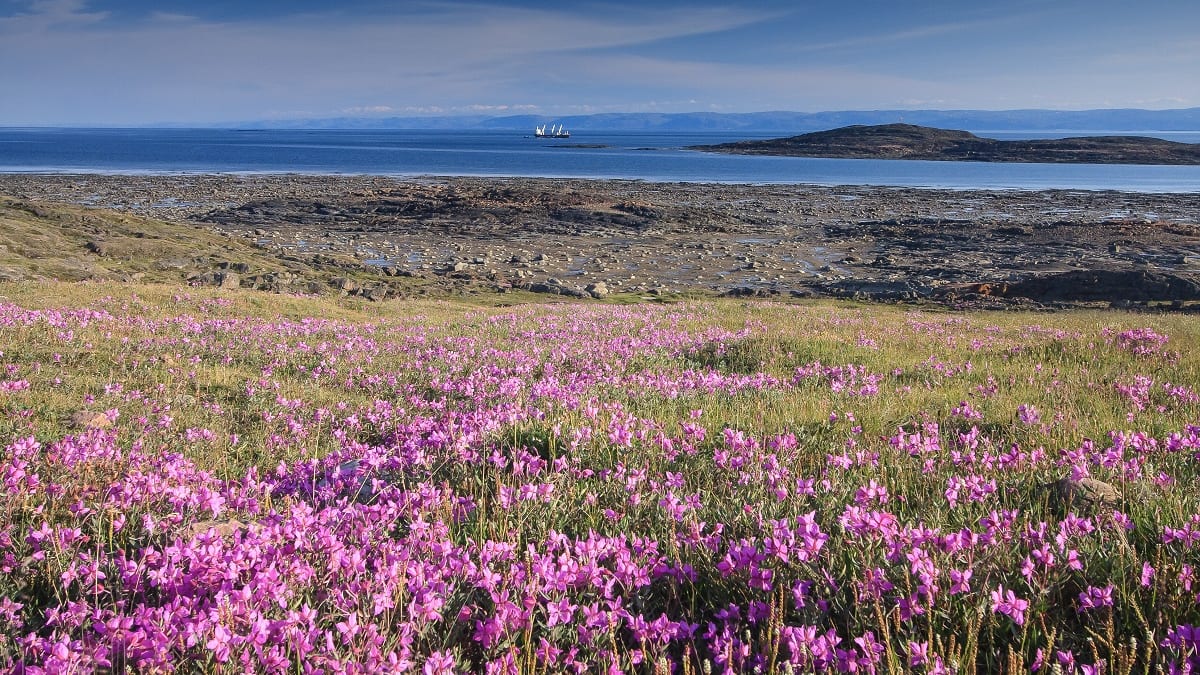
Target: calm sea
{"points": [[651, 156]]}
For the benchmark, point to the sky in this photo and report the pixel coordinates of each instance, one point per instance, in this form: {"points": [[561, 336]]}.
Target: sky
{"points": [[136, 62]]}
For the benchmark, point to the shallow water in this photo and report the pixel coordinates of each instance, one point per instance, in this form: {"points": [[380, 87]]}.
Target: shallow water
{"points": [[649, 156]]}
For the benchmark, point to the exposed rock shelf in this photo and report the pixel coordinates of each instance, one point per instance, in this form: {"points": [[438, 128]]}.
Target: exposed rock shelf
{"points": [[384, 237]]}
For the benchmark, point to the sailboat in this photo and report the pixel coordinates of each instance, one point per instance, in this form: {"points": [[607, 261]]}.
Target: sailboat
{"points": [[551, 132]]}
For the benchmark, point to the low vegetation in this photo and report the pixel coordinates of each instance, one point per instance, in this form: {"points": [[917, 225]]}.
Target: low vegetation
{"points": [[40, 241], [205, 480]]}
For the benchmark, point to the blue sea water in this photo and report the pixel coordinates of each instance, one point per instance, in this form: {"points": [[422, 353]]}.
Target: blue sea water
{"points": [[650, 156]]}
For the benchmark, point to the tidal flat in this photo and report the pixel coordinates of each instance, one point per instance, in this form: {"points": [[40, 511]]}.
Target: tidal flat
{"points": [[562, 236]]}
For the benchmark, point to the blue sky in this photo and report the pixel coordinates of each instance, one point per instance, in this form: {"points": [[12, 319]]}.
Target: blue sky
{"points": [[143, 62]]}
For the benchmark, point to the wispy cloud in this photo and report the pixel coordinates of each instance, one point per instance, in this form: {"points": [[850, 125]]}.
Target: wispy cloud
{"points": [[66, 62], [907, 35], [42, 15], [444, 53]]}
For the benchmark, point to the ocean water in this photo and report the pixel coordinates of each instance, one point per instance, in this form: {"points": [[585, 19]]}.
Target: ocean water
{"points": [[650, 156]]}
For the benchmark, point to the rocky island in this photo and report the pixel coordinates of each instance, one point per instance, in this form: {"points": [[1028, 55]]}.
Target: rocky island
{"points": [[908, 141]]}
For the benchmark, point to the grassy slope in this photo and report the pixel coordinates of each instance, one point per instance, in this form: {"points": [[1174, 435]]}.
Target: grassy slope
{"points": [[73, 243]]}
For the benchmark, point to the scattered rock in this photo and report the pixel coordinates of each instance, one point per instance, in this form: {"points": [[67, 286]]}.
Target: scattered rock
{"points": [[682, 236], [750, 292], [540, 287], [374, 293], [574, 292], [344, 284], [239, 268], [1084, 492], [597, 290], [877, 290], [8, 274], [87, 419], [218, 279], [227, 280], [172, 264], [221, 528]]}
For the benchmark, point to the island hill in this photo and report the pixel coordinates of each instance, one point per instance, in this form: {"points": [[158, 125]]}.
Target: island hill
{"points": [[908, 141]]}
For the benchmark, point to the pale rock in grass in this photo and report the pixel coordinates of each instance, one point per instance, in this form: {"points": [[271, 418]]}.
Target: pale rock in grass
{"points": [[1084, 492], [222, 528], [88, 419]]}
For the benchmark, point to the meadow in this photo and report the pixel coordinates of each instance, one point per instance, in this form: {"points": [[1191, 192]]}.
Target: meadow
{"points": [[209, 481]]}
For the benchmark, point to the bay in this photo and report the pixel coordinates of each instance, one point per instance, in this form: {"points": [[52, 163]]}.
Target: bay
{"points": [[649, 156]]}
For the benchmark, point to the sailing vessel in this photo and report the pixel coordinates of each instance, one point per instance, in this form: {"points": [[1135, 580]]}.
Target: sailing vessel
{"points": [[551, 132]]}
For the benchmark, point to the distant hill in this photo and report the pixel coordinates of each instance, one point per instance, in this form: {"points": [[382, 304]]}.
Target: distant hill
{"points": [[909, 141], [1112, 120]]}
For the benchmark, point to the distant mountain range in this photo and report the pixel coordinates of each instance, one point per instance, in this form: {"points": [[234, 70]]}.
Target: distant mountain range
{"points": [[1187, 119]]}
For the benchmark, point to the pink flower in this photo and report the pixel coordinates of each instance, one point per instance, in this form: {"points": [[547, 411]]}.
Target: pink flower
{"points": [[1006, 602], [918, 653], [1094, 598], [559, 612], [439, 663]]}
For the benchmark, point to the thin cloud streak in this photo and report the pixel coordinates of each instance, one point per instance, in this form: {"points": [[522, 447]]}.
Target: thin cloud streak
{"points": [[68, 63], [456, 54]]}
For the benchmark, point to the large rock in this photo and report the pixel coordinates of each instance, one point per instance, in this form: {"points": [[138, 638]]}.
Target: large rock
{"points": [[228, 280], [374, 293], [1106, 285], [344, 284], [1084, 493]]}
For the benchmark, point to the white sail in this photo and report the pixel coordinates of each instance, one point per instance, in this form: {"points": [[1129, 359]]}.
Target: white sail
{"points": [[551, 130]]}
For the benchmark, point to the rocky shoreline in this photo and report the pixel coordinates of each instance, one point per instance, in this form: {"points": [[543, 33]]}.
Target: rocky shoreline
{"points": [[596, 238]]}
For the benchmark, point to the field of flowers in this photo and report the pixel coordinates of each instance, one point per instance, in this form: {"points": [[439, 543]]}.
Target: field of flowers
{"points": [[200, 482]]}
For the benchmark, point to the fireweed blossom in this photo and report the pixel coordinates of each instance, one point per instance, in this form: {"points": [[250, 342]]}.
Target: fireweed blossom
{"points": [[573, 489], [1006, 602]]}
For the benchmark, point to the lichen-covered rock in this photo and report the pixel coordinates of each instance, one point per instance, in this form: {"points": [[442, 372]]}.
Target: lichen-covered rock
{"points": [[1084, 492]]}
